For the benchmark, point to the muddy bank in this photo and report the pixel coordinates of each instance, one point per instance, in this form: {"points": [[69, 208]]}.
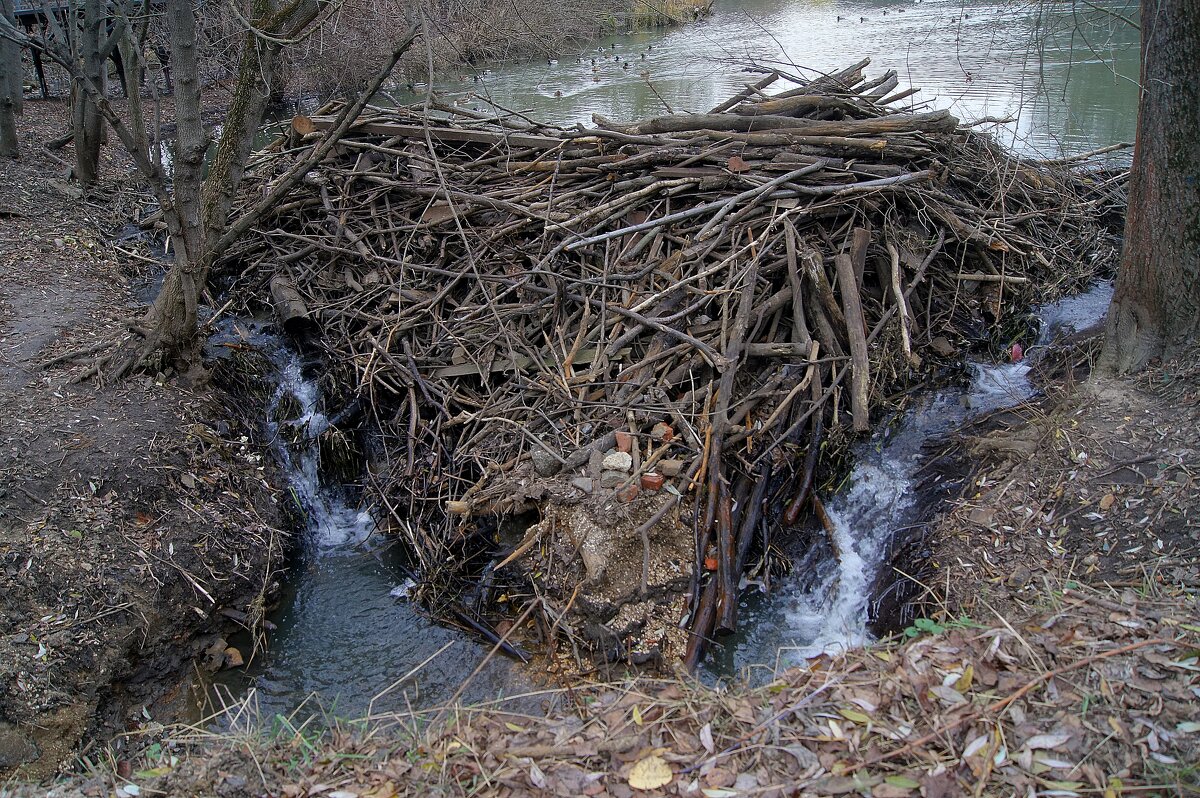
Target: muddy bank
{"points": [[1095, 481], [137, 521]]}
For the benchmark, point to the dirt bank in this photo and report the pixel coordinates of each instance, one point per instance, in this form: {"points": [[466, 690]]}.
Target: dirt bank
{"points": [[135, 519], [1063, 662], [1094, 482]]}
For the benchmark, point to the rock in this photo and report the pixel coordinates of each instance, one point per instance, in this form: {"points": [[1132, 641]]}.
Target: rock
{"points": [[942, 346], [618, 461], [594, 544], [595, 464], [1019, 578], [652, 481], [214, 655], [233, 658], [544, 463], [611, 479], [671, 468], [15, 747], [629, 493], [662, 432], [624, 441], [583, 483]]}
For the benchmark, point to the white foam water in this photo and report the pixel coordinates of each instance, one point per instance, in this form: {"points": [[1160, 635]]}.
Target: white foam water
{"points": [[831, 613], [334, 524]]}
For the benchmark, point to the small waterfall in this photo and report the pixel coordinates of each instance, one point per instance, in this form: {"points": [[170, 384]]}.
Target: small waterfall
{"points": [[811, 616], [347, 640], [333, 522]]}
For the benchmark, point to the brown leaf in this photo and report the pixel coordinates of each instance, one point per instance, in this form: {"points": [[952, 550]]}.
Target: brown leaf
{"points": [[942, 785], [736, 164], [720, 777]]}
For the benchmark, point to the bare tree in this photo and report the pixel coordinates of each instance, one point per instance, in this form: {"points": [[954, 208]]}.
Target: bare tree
{"points": [[11, 88], [196, 203], [1155, 311]]}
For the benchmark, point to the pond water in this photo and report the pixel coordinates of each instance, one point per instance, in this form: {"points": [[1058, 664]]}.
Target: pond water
{"points": [[1062, 71]]}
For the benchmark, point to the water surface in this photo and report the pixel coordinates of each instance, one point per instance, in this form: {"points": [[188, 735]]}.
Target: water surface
{"points": [[1065, 74]]}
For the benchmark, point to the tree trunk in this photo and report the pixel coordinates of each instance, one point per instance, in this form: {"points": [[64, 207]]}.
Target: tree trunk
{"points": [[87, 121], [1155, 310], [11, 87], [172, 317], [249, 102]]}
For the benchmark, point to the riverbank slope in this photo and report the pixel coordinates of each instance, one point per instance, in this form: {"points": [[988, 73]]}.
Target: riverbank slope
{"points": [[136, 519]]}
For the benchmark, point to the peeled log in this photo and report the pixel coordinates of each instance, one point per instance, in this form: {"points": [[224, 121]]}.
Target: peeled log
{"points": [[291, 309]]}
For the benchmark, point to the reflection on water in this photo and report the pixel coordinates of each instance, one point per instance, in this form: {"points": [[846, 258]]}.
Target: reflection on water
{"points": [[1066, 76]]}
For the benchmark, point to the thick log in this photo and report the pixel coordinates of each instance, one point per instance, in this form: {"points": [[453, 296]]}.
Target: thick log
{"points": [[291, 309], [932, 122]]}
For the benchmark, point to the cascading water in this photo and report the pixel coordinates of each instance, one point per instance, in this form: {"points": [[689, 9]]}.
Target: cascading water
{"points": [[345, 634], [332, 521], [824, 607]]}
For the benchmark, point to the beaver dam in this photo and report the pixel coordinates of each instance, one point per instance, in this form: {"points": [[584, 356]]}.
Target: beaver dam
{"points": [[653, 344]]}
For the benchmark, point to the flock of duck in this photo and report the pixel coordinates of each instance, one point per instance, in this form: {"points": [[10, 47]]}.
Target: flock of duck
{"points": [[606, 55]]}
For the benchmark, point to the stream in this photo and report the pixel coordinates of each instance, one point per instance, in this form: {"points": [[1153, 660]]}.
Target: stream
{"points": [[1062, 81], [823, 607], [346, 641]]}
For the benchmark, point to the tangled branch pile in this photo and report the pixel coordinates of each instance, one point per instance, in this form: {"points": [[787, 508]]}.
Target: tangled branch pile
{"points": [[690, 304]]}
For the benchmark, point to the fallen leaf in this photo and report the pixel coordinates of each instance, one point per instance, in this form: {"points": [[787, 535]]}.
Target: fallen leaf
{"points": [[857, 717], [706, 738], [536, 777], [650, 774], [1048, 741], [903, 781], [737, 164]]}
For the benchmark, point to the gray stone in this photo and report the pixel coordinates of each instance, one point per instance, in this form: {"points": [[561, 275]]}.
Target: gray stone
{"points": [[618, 461], [15, 748], [611, 479], [670, 468], [942, 346], [583, 483], [544, 463]]}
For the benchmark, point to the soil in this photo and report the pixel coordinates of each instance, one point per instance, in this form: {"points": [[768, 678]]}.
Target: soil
{"points": [[1095, 482], [137, 522]]}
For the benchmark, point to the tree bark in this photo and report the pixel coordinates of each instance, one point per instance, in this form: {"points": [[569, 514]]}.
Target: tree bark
{"points": [[249, 102], [87, 121], [1155, 310], [172, 320], [11, 88]]}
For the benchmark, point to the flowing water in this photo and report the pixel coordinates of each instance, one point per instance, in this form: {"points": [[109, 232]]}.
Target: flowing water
{"points": [[1062, 77], [1063, 72], [345, 635], [824, 608]]}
